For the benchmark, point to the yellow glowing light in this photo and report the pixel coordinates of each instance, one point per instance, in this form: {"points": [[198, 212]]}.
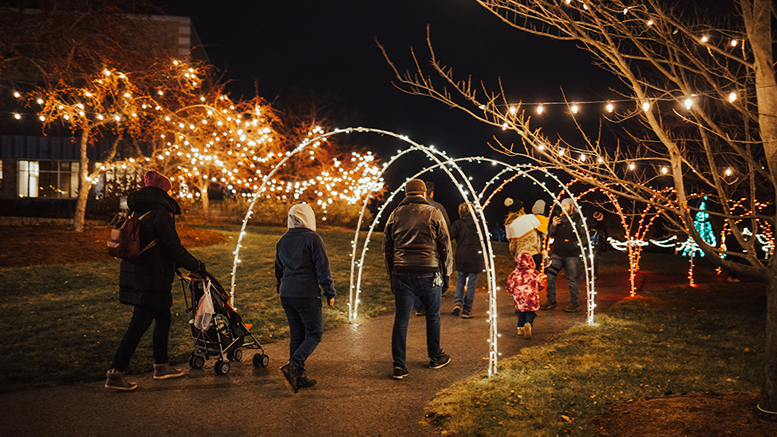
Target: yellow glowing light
{"points": [[646, 106], [17, 116], [688, 103], [574, 108], [732, 97], [42, 118], [40, 101], [16, 94], [539, 109], [705, 38], [650, 22], [504, 126], [107, 72], [734, 43], [664, 170], [728, 171], [631, 166], [582, 157], [512, 110], [609, 107]]}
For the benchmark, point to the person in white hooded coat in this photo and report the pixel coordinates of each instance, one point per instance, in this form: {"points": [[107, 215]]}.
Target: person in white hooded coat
{"points": [[301, 265]]}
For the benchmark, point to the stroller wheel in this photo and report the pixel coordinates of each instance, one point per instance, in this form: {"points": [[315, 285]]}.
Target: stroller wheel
{"points": [[261, 360], [235, 355], [222, 368], [196, 361]]}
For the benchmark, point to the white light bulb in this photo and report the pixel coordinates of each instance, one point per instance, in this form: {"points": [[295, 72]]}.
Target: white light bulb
{"points": [[582, 157], [631, 166], [539, 109], [734, 43], [664, 170], [728, 171], [17, 116], [574, 108], [512, 110], [732, 97], [688, 103], [705, 38], [646, 106], [609, 107]]}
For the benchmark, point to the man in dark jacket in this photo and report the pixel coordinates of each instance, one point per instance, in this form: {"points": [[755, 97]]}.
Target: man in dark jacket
{"points": [[469, 260], [301, 265], [566, 254], [145, 282], [417, 251]]}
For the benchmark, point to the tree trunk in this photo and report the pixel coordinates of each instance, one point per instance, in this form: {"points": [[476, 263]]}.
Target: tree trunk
{"points": [[84, 185], [205, 202], [768, 402]]}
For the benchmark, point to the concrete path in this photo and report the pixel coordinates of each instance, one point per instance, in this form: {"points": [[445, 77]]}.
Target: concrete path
{"points": [[355, 395]]}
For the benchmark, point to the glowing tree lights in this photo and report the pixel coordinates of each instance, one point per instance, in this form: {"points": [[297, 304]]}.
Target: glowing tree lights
{"points": [[108, 103], [701, 222]]}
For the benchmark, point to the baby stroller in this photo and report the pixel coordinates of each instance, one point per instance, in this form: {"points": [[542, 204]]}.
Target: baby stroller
{"points": [[217, 329]]}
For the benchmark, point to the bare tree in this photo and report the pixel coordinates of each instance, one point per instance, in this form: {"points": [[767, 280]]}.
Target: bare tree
{"points": [[701, 102]]}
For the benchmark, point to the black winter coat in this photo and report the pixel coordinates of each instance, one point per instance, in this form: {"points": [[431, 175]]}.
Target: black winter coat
{"points": [[469, 256], [147, 280]]}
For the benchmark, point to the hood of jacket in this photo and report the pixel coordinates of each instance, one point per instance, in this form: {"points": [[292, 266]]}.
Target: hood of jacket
{"points": [[150, 198], [525, 261], [302, 216]]}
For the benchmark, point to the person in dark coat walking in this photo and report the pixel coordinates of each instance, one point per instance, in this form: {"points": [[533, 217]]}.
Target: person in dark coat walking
{"points": [[145, 282], [469, 260], [301, 265]]}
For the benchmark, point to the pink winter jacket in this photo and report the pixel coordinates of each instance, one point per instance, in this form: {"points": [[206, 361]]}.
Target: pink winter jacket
{"points": [[524, 284]]}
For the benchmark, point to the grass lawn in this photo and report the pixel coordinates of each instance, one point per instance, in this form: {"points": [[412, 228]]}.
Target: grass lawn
{"points": [[62, 323], [666, 341]]}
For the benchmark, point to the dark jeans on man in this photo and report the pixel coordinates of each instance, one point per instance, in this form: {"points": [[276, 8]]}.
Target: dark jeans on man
{"points": [[306, 327], [406, 286], [525, 317], [139, 324], [570, 266]]}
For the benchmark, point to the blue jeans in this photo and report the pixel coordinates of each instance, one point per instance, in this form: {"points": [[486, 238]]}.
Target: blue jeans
{"points": [[406, 287], [570, 265], [417, 304], [525, 317], [306, 327], [139, 324], [471, 279]]}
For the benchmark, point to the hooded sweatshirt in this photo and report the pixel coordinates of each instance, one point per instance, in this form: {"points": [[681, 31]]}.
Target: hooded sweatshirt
{"points": [[524, 284], [301, 262]]}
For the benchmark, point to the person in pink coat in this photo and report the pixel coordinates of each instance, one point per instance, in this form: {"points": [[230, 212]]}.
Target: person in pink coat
{"points": [[524, 285]]}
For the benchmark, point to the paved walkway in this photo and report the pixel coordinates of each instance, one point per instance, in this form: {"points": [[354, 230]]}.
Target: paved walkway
{"points": [[355, 395]]}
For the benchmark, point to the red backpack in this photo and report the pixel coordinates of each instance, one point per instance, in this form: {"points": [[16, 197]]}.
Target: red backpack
{"points": [[125, 238]]}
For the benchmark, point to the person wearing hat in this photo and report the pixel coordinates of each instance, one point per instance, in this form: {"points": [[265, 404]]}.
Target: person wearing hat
{"points": [[521, 229], [418, 255], [565, 255], [145, 282]]}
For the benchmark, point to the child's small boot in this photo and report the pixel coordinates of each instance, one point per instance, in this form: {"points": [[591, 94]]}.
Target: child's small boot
{"points": [[527, 331], [520, 330], [116, 381]]}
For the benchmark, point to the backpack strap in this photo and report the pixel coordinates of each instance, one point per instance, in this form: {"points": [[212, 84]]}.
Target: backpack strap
{"points": [[153, 242]]}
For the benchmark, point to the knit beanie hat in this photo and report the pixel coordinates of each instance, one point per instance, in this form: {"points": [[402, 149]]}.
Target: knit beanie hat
{"points": [[152, 178], [415, 187], [514, 205], [538, 208]]}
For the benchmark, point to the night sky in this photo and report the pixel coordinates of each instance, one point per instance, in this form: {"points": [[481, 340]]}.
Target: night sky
{"points": [[329, 46]]}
